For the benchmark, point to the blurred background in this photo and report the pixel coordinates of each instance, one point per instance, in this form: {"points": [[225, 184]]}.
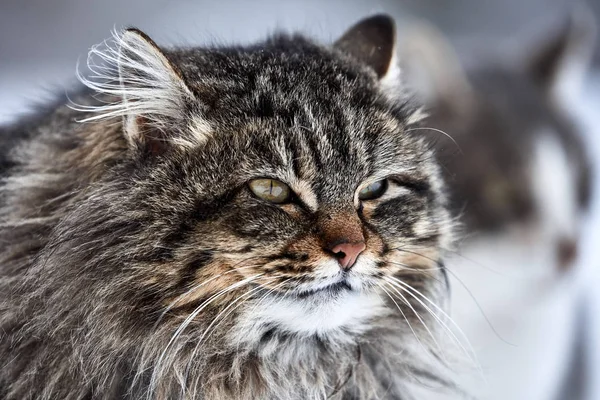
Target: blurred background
{"points": [[41, 42]]}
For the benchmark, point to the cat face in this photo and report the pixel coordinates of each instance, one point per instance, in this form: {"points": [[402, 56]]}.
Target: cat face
{"points": [[283, 170], [212, 222]]}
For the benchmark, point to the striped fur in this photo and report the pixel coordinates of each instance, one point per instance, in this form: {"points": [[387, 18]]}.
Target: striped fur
{"points": [[137, 264]]}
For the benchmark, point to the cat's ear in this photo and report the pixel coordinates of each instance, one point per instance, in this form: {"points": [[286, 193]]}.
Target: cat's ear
{"points": [[431, 68], [150, 93], [372, 41], [154, 93], [558, 62]]}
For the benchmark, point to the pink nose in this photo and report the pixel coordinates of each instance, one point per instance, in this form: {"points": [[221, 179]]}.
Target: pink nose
{"points": [[347, 253]]}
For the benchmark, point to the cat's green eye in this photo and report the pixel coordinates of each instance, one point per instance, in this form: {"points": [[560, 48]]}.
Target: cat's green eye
{"points": [[271, 190], [373, 190]]}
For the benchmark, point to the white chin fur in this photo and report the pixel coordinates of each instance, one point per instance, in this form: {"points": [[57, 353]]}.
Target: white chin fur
{"points": [[321, 313], [347, 309]]}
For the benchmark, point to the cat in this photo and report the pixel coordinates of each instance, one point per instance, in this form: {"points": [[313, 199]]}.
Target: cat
{"points": [[224, 223], [519, 180]]}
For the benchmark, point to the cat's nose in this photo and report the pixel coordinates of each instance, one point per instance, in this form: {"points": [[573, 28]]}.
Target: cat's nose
{"points": [[347, 253], [342, 234]]}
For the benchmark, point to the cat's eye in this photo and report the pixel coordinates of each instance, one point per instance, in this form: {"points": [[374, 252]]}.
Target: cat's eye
{"points": [[373, 190], [271, 190]]}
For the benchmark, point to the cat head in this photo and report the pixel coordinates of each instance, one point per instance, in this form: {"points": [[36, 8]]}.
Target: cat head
{"points": [[512, 156], [282, 170]]}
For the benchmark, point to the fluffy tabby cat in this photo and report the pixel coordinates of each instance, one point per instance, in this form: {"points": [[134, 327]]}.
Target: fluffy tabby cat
{"points": [[242, 222], [519, 178]]}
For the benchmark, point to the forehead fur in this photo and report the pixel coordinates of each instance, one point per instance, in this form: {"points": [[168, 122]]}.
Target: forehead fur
{"points": [[290, 79], [289, 104]]}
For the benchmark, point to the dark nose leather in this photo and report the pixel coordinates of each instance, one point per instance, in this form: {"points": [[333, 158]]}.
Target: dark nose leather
{"points": [[347, 253]]}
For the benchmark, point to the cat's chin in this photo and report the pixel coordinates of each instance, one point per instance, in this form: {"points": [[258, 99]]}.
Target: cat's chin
{"points": [[324, 311], [330, 290]]}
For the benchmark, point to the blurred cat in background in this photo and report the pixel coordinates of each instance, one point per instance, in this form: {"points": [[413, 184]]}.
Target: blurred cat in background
{"points": [[519, 180]]}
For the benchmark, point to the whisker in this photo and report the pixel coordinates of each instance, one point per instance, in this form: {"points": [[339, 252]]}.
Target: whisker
{"points": [[404, 316], [471, 355], [188, 320], [247, 294], [405, 300], [255, 306], [438, 131], [221, 316], [264, 297], [469, 292], [403, 285], [455, 253], [404, 250], [407, 267], [475, 263], [192, 289], [181, 296]]}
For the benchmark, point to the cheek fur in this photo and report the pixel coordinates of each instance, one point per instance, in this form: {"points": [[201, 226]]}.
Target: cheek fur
{"points": [[253, 220], [407, 220]]}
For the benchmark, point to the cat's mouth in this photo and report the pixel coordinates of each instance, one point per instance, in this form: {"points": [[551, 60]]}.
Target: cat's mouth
{"points": [[331, 289]]}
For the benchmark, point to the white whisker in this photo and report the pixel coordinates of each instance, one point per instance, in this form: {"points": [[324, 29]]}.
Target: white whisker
{"points": [[439, 131], [404, 316], [469, 292], [405, 300], [222, 318], [190, 317], [194, 288], [469, 353], [264, 297]]}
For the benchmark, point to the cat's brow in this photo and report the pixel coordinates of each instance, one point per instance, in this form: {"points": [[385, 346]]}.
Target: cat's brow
{"points": [[304, 191], [416, 183]]}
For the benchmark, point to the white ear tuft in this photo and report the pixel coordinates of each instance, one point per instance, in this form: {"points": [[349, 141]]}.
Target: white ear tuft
{"points": [[146, 86]]}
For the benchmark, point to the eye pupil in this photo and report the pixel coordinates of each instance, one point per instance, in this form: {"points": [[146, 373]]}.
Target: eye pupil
{"points": [[373, 190], [270, 190]]}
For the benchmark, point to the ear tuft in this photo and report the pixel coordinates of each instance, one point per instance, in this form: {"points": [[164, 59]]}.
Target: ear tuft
{"points": [[371, 41], [150, 91]]}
